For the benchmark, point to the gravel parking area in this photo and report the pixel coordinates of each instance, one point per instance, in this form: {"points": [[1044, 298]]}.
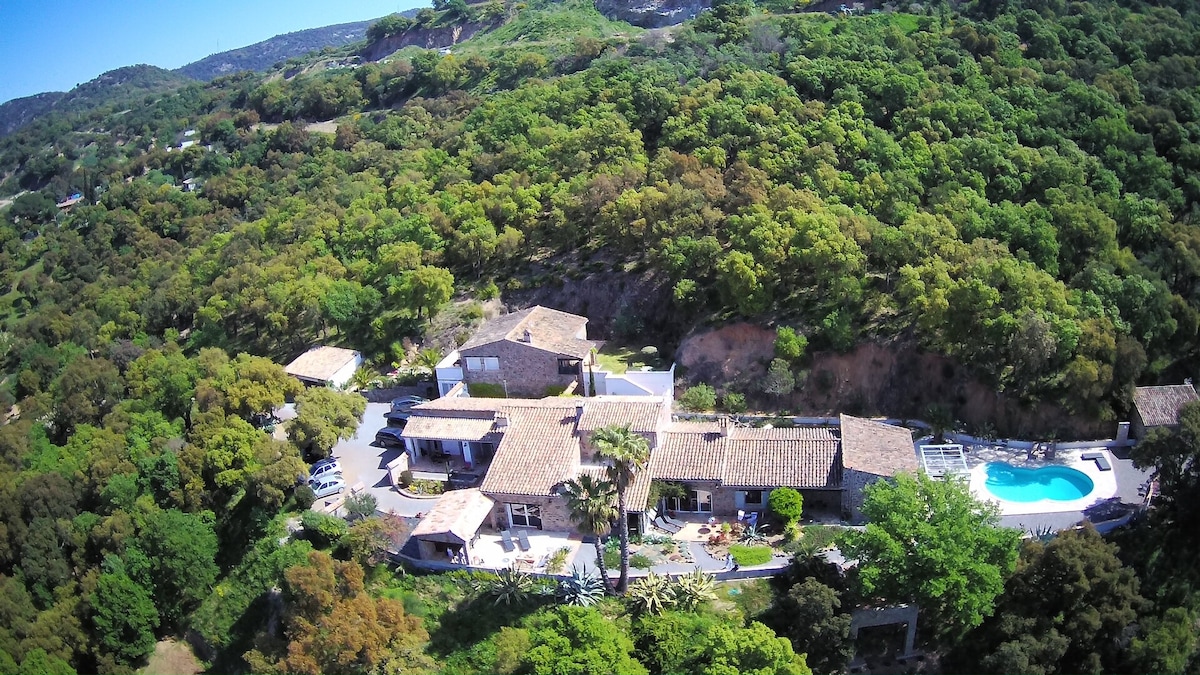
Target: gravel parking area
{"points": [[363, 462]]}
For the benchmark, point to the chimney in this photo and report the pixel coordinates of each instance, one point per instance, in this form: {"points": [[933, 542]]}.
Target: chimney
{"points": [[501, 421], [723, 422], [527, 338], [578, 411]]}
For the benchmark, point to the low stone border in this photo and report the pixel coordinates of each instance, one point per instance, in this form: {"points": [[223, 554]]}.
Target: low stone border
{"points": [[413, 495]]}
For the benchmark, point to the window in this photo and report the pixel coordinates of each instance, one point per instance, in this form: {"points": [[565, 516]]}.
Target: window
{"points": [[754, 497], [477, 363], [569, 366], [525, 515]]}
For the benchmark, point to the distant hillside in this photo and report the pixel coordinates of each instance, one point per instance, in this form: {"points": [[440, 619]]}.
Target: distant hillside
{"points": [[18, 112], [262, 55], [126, 82]]}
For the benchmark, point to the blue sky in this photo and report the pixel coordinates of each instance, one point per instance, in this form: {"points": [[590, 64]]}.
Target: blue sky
{"points": [[53, 45]]}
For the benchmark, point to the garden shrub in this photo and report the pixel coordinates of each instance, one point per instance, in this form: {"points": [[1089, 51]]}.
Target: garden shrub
{"points": [[749, 556], [699, 398], [786, 503]]}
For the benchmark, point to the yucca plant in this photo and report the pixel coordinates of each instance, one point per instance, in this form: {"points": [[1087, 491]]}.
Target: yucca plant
{"points": [[753, 535], [581, 589], [509, 586], [652, 594], [694, 588]]}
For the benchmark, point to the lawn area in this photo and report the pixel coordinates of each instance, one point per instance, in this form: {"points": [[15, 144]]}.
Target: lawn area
{"points": [[617, 358]]}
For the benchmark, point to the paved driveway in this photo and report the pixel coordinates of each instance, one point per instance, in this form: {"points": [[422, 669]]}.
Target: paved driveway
{"points": [[365, 463]]}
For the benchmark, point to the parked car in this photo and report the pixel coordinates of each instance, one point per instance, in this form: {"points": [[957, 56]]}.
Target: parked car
{"points": [[325, 467], [328, 486], [402, 407], [405, 403], [390, 437]]}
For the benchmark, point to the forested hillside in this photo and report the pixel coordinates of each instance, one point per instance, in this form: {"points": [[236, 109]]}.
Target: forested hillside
{"points": [[263, 55], [1010, 184]]}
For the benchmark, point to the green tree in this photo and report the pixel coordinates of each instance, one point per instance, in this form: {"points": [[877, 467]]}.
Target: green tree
{"points": [[811, 616], [787, 503], [1166, 644], [627, 454], [426, 288], [699, 398], [931, 542], [1068, 609], [578, 641], [590, 503], [323, 417], [124, 617], [181, 549], [38, 662], [779, 380], [789, 345], [86, 391]]}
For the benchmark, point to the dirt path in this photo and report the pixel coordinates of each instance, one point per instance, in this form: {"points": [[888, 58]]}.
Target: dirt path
{"points": [[173, 658]]}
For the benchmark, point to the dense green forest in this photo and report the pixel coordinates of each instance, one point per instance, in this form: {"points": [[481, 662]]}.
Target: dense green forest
{"points": [[1013, 184]]}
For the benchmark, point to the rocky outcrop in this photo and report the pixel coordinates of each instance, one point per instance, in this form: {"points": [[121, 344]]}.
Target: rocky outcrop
{"points": [[652, 13], [428, 38]]}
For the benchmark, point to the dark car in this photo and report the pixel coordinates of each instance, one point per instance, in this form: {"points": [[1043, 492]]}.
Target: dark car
{"points": [[401, 407], [390, 437]]}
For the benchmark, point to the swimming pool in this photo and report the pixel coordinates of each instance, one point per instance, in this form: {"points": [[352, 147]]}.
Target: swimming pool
{"points": [[1016, 484]]}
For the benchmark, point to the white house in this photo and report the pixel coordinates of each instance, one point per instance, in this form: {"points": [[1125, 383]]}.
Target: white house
{"points": [[325, 366]]}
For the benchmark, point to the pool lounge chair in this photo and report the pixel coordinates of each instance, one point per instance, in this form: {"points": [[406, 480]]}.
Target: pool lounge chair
{"points": [[506, 541], [523, 540]]}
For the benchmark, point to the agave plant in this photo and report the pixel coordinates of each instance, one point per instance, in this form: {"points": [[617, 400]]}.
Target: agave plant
{"points": [[694, 588], [581, 589], [509, 586], [754, 535], [652, 594]]}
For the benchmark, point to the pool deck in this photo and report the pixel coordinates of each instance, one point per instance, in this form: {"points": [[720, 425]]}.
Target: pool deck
{"points": [[1119, 489]]}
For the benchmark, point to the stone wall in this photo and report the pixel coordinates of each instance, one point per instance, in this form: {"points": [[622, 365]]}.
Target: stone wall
{"points": [[555, 515], [524, 369], [853, 484]]}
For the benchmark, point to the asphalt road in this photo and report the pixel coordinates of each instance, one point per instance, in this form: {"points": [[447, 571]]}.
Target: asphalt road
{"points": [[363, 462]]}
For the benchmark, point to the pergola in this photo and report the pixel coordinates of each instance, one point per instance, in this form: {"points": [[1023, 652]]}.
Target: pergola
{"points": [[942, 460]]}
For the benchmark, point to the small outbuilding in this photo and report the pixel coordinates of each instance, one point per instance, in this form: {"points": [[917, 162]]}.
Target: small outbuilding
{"points": [[1155, 407], [325, 366], [448, 531]]}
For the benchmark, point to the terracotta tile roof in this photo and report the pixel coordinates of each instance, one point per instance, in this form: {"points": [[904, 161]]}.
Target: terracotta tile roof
{"points": [[643, 414], [458, 513], [689, 456], [802, 457], [639, 490], [538, 451], [877, 448], [451, 428], [320, 363], [1159, 406], [549, 329], [783, 462]]}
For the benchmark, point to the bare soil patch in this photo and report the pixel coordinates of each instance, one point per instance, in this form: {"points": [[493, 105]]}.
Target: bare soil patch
{"points": [[893, 379], [728, 355], [326, 127], [173, 658]]}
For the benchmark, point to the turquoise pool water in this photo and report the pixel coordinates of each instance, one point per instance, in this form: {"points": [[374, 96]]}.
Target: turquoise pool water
{"points": [[1016, 484]]}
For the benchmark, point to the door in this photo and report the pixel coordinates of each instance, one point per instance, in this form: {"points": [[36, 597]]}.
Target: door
{"points": [[525, 515]]}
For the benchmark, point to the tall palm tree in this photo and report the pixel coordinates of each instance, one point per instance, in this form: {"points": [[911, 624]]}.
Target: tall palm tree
{"points": [[627, 454], [591, 504]]}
